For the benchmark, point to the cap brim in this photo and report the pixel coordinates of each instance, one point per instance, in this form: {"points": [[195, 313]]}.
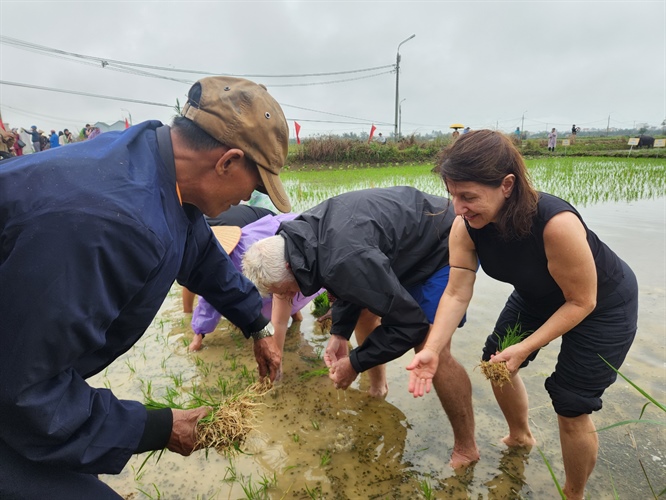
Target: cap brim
{"points": [[275, 190], [228, 236]]}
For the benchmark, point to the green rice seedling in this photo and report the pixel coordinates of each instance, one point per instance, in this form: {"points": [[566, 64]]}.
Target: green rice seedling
{"points": [[313, 373], [552, 474], [138, 474], [157, 491], [230, 472], [426, 489], [222, 385], [267, 482], [296, 438], [325, 458], [498, 373], [177, 379], [650, 401], [253, 491], [315, 493], [315, 425], [130, 366], [321, 305]]}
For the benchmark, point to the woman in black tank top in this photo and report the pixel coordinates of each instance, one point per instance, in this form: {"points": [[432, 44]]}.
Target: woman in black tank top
{"points": [[567, 283]]}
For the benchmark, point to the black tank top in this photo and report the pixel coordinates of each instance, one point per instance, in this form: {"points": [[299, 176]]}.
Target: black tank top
{"points": [[523, 263]]}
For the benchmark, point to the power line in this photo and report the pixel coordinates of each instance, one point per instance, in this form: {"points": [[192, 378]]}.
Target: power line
{"points": [[335, 114], [86, 94], [104, 62]]}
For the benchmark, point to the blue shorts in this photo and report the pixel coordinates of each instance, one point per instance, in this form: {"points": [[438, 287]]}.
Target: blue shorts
{"points": [[428, 294]]}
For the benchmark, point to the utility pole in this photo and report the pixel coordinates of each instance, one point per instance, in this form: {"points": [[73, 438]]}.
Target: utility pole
{"points": [[400, 118], [397, 87], [608, 126], [522, 128]]}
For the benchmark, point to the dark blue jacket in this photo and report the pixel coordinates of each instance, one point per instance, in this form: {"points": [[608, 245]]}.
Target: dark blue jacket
{"points": [[92, 237]]}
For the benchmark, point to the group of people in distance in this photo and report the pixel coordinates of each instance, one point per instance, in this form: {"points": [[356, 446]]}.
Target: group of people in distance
{"points": [[90, 252]]}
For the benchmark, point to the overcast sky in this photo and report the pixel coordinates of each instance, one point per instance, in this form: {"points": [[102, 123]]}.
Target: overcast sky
{"points": [[484, 64]]}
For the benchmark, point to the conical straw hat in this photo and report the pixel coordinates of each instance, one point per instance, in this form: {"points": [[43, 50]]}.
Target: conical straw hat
{"points": [[228, 236]]}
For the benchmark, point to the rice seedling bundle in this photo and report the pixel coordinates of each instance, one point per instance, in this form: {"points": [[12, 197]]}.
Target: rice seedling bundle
{"points": [[227, 426], [498, 373]]}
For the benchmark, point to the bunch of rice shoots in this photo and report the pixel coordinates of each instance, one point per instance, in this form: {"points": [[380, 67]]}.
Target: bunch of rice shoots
{"points": [[227, 426], [498, 373]]}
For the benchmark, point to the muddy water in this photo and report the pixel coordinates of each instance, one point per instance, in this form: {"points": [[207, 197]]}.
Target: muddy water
{"points": [[312, 441]]}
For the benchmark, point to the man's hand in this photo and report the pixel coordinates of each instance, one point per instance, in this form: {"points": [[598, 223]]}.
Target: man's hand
{"points": [[268, 356], [184, 430], [342, 373], [336, 349], [421, 371]]}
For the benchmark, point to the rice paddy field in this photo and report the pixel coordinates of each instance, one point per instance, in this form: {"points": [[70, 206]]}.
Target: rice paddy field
{"points": [[311, 441]]}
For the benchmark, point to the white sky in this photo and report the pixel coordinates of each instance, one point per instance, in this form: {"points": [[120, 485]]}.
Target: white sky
{"points": [[485, 64]]}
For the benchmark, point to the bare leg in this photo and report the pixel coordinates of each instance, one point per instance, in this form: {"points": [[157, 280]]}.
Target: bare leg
{"points": [[580, 445], [454, 390], [366, 323], [188, 300], [298, 316], [512, 400], [196, 344]]}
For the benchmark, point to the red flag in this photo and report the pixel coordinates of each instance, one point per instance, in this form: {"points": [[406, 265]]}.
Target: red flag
{"points": [[126, 123], [2, 124], [372, 132], [298, 129]]}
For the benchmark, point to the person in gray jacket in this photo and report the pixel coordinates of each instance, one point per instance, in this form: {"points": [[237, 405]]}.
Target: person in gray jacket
{"points": [[383, 253]]}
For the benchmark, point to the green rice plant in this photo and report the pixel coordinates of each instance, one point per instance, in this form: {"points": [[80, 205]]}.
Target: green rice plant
{"points": [[313, 373], [315, 425], [514, 335], [157, 491], [253, 491], [640, 420], [267, 482], [177, 379], [230, 472], [296, 438], [426, 489], [321, 305], [552, 475], [325, 458], [314, 494], [130, 366]]}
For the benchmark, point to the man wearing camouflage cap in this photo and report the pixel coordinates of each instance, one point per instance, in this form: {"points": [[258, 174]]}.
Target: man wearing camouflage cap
{"points": [[92, 237]]}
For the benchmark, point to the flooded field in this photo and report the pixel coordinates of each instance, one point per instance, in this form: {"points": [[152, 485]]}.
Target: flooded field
{"points": [[312, 441]]}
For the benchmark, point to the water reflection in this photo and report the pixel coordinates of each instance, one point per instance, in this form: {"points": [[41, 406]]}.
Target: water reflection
{"points": [[510, 479]]}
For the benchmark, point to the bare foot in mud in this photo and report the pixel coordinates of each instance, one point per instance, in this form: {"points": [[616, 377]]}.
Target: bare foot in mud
{"points": [[196, 344], [519, 442], [380, 392], [460, 459]]}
